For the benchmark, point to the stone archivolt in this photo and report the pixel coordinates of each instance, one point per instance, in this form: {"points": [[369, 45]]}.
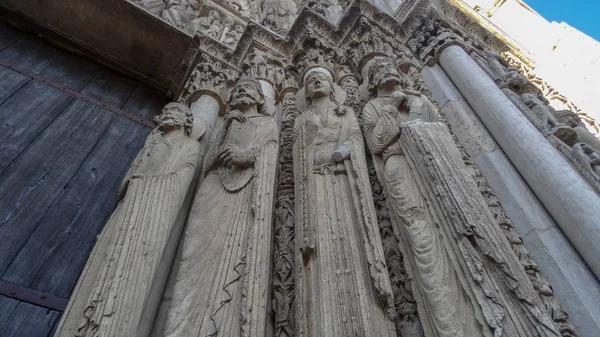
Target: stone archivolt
{"points": [[415, 245]]}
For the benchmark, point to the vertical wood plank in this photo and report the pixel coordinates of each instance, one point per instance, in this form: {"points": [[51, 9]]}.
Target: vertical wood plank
{"points": [[24, 115], [30, 185], [31, 321], [8, 35], [55, 254], [7, 308], [10, 82]]}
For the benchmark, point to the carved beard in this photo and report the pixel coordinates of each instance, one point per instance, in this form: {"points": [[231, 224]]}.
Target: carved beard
{"points": [[244, 100], [169, 123], [389, 78]]}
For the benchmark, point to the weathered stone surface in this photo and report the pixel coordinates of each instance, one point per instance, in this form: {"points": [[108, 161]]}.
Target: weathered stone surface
{"points": [[224, 247], [342, 283], [114, 32]]}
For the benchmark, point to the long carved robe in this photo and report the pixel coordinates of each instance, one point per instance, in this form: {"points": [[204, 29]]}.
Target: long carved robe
{"points": [[449, 306], [342, 286], [112, 290], [222, 287]]}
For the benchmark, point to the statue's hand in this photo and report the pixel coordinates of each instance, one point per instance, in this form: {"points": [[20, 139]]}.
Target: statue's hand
{"points": [[236, 115], [341, 154], [233, 155], [398, 97]]}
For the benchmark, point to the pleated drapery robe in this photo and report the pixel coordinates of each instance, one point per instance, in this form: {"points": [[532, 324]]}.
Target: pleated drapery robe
{"points": [[222, 288]]}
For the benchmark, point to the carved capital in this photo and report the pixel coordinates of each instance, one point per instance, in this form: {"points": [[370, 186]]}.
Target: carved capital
{"points": [[315, 54], [208, 77], [432, 37]]}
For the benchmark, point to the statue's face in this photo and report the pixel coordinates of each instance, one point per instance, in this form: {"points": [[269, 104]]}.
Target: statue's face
{"points": [[245, 94], [570, 120], [172, 117], [317, 85], [386, 74], [530, 99]]}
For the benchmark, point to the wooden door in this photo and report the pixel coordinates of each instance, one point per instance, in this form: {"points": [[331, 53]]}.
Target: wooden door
{"points": [[63, 154]]}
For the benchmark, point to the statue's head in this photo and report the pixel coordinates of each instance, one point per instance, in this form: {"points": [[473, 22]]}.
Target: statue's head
{"points": [[569, 117], [239, 28], [248, 92], [383, 73], [319, 84], [530, 99], [214, 14], [174, 116]]}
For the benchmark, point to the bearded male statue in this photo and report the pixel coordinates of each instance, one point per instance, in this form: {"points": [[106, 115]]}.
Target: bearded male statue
{"points": [[222, 286], [111, 293], [342, 284], [384, 116]]}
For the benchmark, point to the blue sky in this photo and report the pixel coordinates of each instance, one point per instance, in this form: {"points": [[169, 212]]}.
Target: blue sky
{"points": [[581, 14]]}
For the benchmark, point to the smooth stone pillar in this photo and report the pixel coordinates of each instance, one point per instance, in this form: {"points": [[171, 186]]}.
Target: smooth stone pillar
{"points": [[569, 199], [574, 284], [205, 111]]}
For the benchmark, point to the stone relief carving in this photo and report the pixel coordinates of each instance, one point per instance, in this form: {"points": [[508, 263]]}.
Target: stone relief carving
{"points": [[554, 97], [589, 157], [210, 25], [117, 279], [337, 239], [431, 37], [224, 247], [327, 133], [583, 134], [279, 16], [368, 40], [207, 77]]}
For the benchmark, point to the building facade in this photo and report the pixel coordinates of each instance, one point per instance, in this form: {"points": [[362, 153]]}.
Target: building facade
{"points": [[322, 168]]}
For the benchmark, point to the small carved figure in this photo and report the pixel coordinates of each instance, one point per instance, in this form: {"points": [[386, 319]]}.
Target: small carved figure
{"points": [[583, 134], [259, 64], [233, 36], [546, 119], [209, 25], [223, 282], [176, 14], [588, 156]]}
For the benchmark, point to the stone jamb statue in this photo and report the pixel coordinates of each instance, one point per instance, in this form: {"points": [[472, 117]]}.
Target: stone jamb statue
{"points": [[393, 105], [342, 284], [111, 293], [222, 286]]}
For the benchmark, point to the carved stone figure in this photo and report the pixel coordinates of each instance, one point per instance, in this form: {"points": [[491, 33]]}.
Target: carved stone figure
{"points": [[233, 36], [384, 117], [547, 120], [111, 293], [209, 25], [583, 134], [177, 13], [342, 284], [588, 156], [153, 6], [223, 282]]}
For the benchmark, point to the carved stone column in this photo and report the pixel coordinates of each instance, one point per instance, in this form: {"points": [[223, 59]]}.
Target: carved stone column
{"points": [[283, 260], [570, 200]]}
